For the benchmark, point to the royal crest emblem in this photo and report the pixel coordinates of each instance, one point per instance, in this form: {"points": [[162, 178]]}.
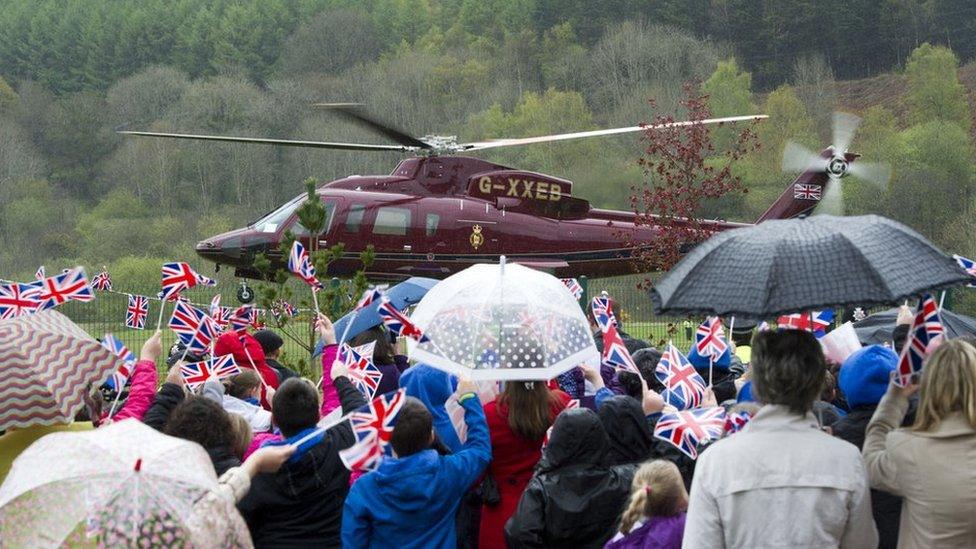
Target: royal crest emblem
{"points": [[477, 239]]}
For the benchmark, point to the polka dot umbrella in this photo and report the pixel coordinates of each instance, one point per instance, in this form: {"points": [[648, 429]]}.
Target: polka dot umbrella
{"points": [[502, 322]]}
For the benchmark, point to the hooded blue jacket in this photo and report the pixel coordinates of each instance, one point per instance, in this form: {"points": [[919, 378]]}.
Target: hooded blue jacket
{"points": [[412, 501], [433, 387]]}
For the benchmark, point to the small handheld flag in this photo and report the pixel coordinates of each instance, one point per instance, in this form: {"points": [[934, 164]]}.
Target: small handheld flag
{"points": [[195, 329], [373, 426], [121, 376], [363, 373], [243, 317], [926, 328], [196, 374], [735, 421], [39, 275], [400, 324], [18, 299], [71, 285], [683, 387], [801, 321], [137, 312], [300, 264], [602, 312], [710, 338], [687, 430], [615, 353], [180, 276], [573, 286], [968, 265]]}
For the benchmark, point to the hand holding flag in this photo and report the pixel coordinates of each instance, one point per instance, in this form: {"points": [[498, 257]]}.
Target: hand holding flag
{"points": [[926, 329]]}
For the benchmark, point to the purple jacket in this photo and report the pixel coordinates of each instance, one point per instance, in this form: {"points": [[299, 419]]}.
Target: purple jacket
{"points": [[656, 533]]}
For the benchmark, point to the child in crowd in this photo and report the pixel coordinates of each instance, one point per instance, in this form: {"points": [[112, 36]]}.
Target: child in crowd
{"points": [[412, 500], [655, 514]]}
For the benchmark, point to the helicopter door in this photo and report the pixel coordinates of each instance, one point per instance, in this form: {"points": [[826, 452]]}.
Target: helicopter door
{"points": [[477, 231], [392, 230]]}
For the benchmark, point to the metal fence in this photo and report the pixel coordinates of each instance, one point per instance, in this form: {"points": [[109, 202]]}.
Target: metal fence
{"points": [[106, 314]]}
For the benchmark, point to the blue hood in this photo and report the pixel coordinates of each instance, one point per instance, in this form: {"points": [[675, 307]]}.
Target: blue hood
{"points": [[700, 362], [433, 387], [865, 374], [407, 484]]}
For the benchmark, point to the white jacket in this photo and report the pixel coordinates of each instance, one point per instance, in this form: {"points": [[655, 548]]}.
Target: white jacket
{"points": [[256, 416], [780, 482]]}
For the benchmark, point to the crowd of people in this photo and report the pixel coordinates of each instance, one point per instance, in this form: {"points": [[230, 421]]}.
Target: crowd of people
{"points": [[834, 455]]}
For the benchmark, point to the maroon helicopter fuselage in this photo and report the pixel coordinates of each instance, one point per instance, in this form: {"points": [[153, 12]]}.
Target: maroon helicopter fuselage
{"points": [[434, 216]]}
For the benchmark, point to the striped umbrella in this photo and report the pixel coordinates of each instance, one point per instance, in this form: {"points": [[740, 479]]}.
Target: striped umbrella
{"points": [[47, 363]]}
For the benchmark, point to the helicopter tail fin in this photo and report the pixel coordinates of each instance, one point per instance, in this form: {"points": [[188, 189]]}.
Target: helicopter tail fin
{"points": [[799, 198]]}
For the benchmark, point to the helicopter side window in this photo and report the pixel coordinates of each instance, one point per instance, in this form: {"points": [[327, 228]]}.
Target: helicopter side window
{"points": [[392, 221], [354, 219], [298, 230], [432, 221]]}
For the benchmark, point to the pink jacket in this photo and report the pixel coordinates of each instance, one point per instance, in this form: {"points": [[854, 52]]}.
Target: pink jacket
{"points": [[142, 392], [330, 397]]}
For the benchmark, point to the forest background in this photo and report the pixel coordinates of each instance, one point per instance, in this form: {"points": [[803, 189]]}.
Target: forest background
{"points": [[72, 191]]}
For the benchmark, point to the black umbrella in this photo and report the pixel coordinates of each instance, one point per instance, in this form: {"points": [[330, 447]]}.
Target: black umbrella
{"points": [[795, 265], [877, 328]]}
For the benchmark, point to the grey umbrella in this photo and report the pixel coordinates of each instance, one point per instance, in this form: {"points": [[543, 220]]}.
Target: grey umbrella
{"points": [[877, 328], [795, 265]]}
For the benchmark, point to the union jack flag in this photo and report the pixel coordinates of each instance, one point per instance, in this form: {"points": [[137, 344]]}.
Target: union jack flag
{"points": [[369, 296], [102, 282], [18, 300], [195, 329], [196, 374], [615, 353], [969, 266], [67, 286], [602, 312], [400, 324], [710, 338], [689, 429], [735, 421], [180, 276], [39, 275], [362, 371], [801, 321], [283, 308], [121, 376], [926, 328], [373, 426], [136, 312], [242, 317], [300, 264], [803, 191], [683, 387], [573, 286]]}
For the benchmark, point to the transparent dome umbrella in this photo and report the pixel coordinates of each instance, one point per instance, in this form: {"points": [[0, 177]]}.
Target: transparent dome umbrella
{"points": [[502, 322], [125, 484]]}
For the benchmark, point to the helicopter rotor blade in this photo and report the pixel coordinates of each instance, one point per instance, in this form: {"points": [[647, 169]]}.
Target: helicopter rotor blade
{"points": [[845, 124], [797, 158], [353, 113], [872, 172], [492, 144], [282, 142], [833, 200]]}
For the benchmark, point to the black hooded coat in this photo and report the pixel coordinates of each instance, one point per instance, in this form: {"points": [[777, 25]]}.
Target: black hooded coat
{"points": [[575, 497], [631, 439]]}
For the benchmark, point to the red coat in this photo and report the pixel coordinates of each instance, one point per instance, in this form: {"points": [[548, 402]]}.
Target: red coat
{"points": [[230, 344], [512, 462]]}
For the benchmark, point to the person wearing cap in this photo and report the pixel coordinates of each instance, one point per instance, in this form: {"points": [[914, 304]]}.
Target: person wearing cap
{"points": [[864, 379], [272, 343]]}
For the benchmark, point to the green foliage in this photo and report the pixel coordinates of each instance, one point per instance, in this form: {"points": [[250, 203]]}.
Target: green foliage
{"points": [[934, 90], [8, 97], [729, 90]]}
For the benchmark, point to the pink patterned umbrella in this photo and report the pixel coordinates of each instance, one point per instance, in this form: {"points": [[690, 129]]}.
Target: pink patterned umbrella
{"points": [[46, 365]]}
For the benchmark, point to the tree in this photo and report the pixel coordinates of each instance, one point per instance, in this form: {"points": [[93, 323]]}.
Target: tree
{"points": [[729, 94], [934, 90], [330, 42], [677, 179]]}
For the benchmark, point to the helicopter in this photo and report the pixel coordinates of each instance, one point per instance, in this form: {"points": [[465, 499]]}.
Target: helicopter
{"points": [[439, 211]]}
